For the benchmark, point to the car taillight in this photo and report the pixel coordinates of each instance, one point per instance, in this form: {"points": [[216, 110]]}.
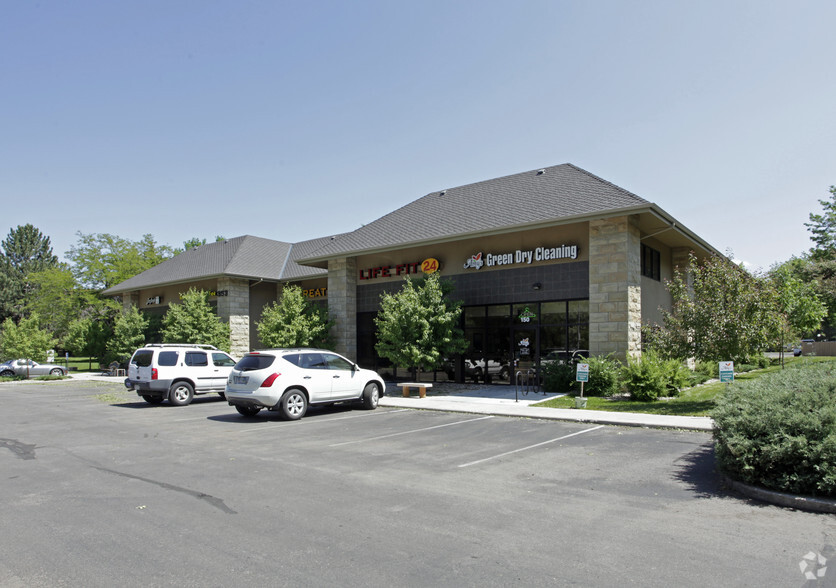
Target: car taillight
{"points": [[154, 374], [269, 380]]}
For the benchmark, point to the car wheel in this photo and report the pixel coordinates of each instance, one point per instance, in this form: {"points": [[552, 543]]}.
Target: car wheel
{"points": [[56, 372], [371, 396], [504, 373], [152, 399], [247, 411], [180, 393], [222, 395], [293, 405], [6, 374]]}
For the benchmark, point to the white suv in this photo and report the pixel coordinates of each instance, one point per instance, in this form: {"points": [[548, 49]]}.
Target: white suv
{"points": [[288, 380], [177, 372]]}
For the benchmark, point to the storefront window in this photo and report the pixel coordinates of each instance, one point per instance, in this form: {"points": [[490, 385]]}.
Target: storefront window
{"points": [[579, 311], [474, 317], [553, 313], [552, 339]]}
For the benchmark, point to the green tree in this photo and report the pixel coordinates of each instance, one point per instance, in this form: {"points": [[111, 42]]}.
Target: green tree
{"points": [[25, 340], [725, 314], [194, 321], [823, 229], [128, 334], [798, 300], [293, 322], [56, 298], [101, 260], [193, 243], [25, 251], [196, 242], [88, 337], [418, 326]]}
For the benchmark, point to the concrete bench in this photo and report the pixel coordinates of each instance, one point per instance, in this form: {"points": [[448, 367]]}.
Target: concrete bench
{"points": [[422, 388]]}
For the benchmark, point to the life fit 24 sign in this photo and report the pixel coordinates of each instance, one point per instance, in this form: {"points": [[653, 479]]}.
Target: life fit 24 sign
{"points": [[428, 266], [522, 257]]}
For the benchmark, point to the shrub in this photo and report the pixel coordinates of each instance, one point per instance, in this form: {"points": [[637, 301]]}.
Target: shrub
{"points": [[709, 369], [779, 431], [558, 377], [676, 375], [644, 377], [604, 376]]}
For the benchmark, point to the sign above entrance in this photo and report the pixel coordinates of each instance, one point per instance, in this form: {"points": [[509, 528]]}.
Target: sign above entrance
{"points": [[522, 257], [428, 266], [526, 315]]}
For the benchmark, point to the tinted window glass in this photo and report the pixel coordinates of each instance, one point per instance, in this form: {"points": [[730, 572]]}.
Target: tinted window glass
{"points": [[294, 358], [196, 359], [335, 362], [254, 362], [167, 358], [312, 361], [142, 358], [222, 360]]}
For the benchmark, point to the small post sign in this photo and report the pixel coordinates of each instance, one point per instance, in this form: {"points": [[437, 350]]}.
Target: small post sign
{"points": [[582, 374], [727, 371]]}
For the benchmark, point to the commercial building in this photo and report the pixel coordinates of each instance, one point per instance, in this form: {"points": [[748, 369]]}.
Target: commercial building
{"points": [[546, 262]]}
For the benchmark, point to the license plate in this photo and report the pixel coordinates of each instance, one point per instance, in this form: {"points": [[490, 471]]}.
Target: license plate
{"points": [[240, 379]]}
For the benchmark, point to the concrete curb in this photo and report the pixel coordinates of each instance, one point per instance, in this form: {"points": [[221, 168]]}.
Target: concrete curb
{"points": [[512, 409], [805, 503]]}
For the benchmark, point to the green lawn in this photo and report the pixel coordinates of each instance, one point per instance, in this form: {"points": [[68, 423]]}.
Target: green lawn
{"points": [[696, 401]]}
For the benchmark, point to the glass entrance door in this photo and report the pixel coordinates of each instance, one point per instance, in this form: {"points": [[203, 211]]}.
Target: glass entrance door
{"points": [[525, 351]]}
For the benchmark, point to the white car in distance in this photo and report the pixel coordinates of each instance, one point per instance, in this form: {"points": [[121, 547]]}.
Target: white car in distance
{"points": [[290, 380]]}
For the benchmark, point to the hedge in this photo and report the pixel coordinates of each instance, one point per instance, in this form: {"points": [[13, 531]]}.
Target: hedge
{"points": [[779, 431]]}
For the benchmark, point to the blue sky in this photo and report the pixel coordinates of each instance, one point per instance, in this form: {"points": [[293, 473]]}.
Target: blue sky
{"points": [[295, 120]]}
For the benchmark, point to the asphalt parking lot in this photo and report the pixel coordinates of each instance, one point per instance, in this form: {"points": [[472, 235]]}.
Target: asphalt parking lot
{"points": [[100, 488]]}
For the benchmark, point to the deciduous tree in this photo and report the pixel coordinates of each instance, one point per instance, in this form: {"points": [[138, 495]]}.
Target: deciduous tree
{"points": [[798, 300], [25, 340], [128, 334], [101, 260], [725, 314], [194, 321], [418, 326], [293, 322]]}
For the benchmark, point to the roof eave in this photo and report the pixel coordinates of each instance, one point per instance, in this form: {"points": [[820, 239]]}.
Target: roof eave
{"points": [[322, 261]]}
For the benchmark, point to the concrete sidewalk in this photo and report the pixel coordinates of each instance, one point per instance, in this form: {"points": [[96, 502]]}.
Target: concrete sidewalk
{"points": [[505, 401]]}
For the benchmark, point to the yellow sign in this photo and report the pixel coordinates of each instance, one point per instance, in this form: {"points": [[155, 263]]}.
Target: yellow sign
{"points": [[429, 266]]}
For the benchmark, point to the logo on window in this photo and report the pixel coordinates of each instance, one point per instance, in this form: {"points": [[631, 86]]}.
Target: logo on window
{"points": [[526, 315]]}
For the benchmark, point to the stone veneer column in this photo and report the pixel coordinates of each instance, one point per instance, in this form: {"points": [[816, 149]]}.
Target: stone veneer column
{"points": [[130, 299], [235, 308], [615, 287], [342, 305]]}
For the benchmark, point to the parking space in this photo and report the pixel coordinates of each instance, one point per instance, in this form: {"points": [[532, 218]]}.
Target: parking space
{"points": [[467, 440], [349, 497]]}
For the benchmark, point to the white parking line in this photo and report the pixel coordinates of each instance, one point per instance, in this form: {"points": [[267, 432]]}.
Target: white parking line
{"points": [[316, 421], [465, 465], [410, 432]]}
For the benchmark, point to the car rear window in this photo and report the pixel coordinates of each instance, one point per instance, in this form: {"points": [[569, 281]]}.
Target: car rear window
{"points": [[167, 358], [142, 358], [255, 362]]}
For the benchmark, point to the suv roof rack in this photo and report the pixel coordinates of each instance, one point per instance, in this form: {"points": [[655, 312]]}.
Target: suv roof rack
{"points": [[198, 345]]}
